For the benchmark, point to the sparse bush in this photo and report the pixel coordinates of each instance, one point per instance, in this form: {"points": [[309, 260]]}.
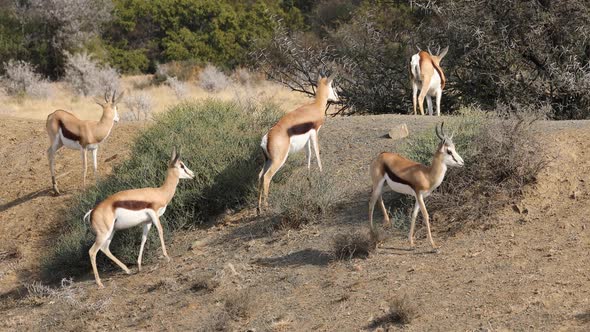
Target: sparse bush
{"points": [[212, 79], [181, 70], [204, 283], [140, 107], [355, 245], [305, 197], [218, 321], [180, 88], [22, 80], [220, 143], [238, 304], [401, 312], [245, 76], [67, 293], [87, 77], [501, 154]]}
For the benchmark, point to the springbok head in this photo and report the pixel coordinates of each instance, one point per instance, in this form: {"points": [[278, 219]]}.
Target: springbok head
{"points": [[447, 148], [328, 83], [438, 57], [110, 104], [183, 171]]}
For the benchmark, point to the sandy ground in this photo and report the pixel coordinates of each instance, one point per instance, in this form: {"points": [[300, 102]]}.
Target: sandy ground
{"points": [[520, 271]]}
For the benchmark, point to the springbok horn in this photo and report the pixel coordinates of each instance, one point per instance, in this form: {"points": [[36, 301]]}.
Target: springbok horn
{"points": [[114, 94], [437, 133], [106, 96], [442, 131]]}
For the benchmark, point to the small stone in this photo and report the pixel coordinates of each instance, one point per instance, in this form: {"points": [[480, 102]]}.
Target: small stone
{"points": [[398, 132], [198, 244]]}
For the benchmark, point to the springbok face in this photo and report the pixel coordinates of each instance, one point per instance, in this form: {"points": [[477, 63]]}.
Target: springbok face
{"points": [[447, 148], [183, 171], [451, 157]]}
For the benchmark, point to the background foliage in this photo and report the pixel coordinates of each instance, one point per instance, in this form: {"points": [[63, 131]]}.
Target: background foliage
{"points": [[508, 52]]}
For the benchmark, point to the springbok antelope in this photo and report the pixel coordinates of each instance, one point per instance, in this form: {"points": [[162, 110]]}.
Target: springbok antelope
{"points": [[130, 208], [427, 75], [411, 178], [294, 131], [65, 129]]}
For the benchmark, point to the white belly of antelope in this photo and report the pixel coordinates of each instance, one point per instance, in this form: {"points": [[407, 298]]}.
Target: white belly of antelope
{"points": [[298, 142], [125, 218], [399, 187], [68, 143]]}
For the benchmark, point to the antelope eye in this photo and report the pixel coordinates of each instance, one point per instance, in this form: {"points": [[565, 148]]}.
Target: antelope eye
{"points": [[182, 166], [450, 152]]}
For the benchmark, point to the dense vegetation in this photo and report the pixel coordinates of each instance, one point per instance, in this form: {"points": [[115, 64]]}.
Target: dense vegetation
{"points": [[505, 52], [220, 144]]}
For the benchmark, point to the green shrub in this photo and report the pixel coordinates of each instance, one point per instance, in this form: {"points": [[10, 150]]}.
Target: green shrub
{"points": [[304, 197], [220, 143]]}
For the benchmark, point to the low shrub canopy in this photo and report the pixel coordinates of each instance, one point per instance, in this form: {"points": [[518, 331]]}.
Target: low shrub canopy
{"points": [[220, 143]]}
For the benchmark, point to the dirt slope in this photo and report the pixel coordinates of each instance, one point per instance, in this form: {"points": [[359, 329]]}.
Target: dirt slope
{"points": [[527, 270]]}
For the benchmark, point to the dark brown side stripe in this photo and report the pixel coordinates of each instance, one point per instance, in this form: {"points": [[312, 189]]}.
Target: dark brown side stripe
{"points": [[393, 177], [68, 134], [133, 205], [300, 129]]}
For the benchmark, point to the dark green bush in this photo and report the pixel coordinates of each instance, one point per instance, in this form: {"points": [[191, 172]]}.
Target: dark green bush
{"points": [[220, 143]]}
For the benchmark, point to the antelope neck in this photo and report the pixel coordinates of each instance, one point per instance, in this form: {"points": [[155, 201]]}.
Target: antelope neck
{"points": [[170, 184], [321, 97], [105, 124], [437, 168]]}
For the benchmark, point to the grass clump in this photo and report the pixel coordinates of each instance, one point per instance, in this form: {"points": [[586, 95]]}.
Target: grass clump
{"points": [[238, 304], [401, 312], [355, 245], [501, 154], [303, 198], [220, 143]]}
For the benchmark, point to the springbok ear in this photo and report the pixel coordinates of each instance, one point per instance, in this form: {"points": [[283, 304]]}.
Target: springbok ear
{"points": [[178, 152], [119, 97], [173, 158], [442, 53]]}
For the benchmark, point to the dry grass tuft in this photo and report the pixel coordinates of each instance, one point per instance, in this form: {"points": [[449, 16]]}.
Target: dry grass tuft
{"points": [[355, 245], [401, 312], [204, 284], [238, 304]]}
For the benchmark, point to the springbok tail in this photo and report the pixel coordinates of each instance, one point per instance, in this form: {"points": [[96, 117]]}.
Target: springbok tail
{"points": [[86, 217], [415, 66]]}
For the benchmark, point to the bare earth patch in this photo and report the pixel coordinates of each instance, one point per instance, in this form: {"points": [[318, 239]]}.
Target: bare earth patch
{"points": [[527, 269]]}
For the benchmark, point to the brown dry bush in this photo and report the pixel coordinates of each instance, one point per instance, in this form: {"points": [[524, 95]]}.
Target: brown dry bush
{"points": [[238, 304], [401, 312], [355, 245], [502, 155]]}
